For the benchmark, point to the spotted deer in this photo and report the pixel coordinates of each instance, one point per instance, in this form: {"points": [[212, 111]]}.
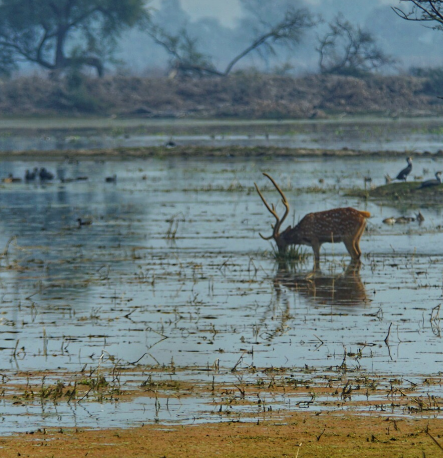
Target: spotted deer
{"points": [[331, 226]]}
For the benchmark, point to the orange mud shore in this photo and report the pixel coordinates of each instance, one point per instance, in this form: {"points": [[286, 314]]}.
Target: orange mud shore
{"points": [[300, 435]]}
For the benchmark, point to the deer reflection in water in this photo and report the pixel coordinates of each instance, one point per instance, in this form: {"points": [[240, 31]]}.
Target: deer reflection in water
{"points": [[343, 289]]}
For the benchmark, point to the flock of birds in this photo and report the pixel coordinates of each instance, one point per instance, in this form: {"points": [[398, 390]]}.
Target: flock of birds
{"points": [[402, 176], [44, 176]]}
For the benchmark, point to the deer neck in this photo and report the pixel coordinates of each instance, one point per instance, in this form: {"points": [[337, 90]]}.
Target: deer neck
{"points": [[290, 236], [293, 235]]}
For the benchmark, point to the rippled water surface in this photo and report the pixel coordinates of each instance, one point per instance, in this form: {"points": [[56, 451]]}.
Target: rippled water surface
{"points": [[172, 272]]}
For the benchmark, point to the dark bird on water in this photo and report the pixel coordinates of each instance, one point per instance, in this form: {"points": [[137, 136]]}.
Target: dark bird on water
{"points": [[30, 176], [420, 218], [112, 179], [403, 174], [83, 223], [429, 183], [45, 174]]}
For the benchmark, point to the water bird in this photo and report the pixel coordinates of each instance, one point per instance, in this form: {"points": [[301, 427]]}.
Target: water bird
{"points": [[420, 217], [430, 183], [404, 219], [112, 179], [83, 223], [170, 144], [82, 178], [11, 179], [403, 174], [388, 179], [391, 220], [31, 176], [45, 174]]}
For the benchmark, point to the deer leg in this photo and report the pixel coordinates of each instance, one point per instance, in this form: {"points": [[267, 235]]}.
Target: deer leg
{"points": [[357, 247], [349, 244], [358, 237], [316, 247], [353, 268]]}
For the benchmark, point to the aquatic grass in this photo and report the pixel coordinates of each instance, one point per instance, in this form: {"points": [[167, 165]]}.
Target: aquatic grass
{"points": [[293, 254]]}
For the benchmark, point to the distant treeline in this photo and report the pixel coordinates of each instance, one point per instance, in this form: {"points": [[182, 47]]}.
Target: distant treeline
{"points": [[243, 95]]}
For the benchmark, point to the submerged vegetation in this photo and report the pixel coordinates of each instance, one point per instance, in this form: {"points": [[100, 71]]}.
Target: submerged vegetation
{"points": [[294, 254]]}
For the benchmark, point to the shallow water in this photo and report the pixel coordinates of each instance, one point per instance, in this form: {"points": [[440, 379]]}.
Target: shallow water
{"points": [[123, 290], [359, 133]]}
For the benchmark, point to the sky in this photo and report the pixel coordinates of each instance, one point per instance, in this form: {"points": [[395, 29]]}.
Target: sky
{"points": [[222, 28], [226, 11]]}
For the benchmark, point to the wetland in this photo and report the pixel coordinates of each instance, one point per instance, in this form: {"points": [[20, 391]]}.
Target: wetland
{"points": [[169, 311]]}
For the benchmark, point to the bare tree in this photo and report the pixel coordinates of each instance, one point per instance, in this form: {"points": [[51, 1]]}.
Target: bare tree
{"points": [[349, 50], [427, 11], [422, 11], [185, 59]]}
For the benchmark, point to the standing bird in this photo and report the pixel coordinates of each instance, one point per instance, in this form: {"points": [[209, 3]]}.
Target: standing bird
{"points": [[419, 217], [429, 183], [406, 171]]}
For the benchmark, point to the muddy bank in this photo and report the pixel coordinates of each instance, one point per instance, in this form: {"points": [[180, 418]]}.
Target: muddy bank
{"points": [[300, 434], [243, 95], [407, 191]]}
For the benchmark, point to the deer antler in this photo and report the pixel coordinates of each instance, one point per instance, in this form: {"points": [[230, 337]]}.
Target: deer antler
{"points": [[271, 209]]}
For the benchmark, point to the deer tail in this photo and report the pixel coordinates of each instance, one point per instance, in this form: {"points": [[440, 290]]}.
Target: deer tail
{"points": [[365, 214]]}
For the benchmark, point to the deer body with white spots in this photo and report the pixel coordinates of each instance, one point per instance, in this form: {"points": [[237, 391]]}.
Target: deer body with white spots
{"points": [[331, 226]]}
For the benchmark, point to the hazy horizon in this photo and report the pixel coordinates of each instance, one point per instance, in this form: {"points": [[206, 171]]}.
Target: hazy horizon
{"points": [[224, 28]]}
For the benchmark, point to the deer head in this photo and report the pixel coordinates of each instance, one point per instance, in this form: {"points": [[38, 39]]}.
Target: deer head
{"points": [[279, 238], [331, 226]]}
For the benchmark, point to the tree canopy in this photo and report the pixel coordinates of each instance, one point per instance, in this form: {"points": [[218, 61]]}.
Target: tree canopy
{"points": [[422, 11], [268, 33], [349, 50], [63, 34]]}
